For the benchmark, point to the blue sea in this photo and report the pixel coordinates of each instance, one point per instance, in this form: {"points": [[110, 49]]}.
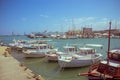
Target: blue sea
{"points": [[52, 71]]}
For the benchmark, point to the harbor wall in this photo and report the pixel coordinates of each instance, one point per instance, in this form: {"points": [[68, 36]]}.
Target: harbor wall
{"points": [[11, 69]]}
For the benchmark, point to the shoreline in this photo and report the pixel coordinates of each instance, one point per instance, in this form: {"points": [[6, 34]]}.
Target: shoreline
{"points": [[11, 69]]}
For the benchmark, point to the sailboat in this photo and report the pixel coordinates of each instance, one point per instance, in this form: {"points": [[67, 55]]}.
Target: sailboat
{"points": [[108, 69]]}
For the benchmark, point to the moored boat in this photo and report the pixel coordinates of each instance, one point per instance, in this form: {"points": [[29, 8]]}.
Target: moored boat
{"points": [[53, 57], [67, 50], [108, 69], [40, 52], [78, 58], [17, 44]]}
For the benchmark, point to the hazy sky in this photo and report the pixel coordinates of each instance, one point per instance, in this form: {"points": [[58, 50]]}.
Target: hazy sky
{"points": [[21, 16]]}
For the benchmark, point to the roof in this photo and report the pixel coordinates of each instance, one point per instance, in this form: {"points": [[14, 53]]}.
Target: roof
{"points": [[39, 44], [112, 63], [94, 45], [68, 47], [115, 51], [86, 48]]}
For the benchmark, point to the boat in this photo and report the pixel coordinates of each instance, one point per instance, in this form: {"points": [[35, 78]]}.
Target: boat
{"points": [[83, 56], [20, 44], [51, 57], [32, 36], [17, 44], [54, 57], [108, 69], [105, 70], [33, 44], [40, 51], [13, 44]]}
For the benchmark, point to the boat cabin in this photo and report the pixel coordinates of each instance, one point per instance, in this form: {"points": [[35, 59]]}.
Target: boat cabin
{"points": [[70, 49], [43, 46], [112, 68], [42, 42], [114, 55], [86, 50]]}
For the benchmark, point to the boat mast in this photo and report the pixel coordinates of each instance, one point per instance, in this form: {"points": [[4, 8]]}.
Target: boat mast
{"points": [[109, 42]]}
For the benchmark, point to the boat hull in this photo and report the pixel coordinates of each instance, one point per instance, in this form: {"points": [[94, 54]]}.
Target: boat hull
{"points": [[77, 62], [34, 55], [91, 77], [51, 58], [54, 56]]}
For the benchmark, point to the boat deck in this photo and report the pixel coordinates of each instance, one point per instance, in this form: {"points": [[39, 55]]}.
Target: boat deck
{"points": [[112, 63]]}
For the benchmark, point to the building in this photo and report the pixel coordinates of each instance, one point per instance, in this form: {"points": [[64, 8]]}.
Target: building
{"points": [[87, 33]]}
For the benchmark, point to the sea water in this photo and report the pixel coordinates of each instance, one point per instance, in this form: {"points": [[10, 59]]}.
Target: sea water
{"points": [[52, 71]]}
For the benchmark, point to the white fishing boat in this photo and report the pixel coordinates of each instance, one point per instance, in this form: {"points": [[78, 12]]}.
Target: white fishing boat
{"points": [[51, 57], [13, 44], [78, 58], [54, 57], [40, 52], [17, 44], [20, 45]]}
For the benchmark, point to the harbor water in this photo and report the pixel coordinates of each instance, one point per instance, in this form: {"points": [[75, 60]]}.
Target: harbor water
{"points": [[51, 70]]}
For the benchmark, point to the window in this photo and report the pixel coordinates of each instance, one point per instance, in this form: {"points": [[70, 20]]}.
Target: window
{"points": [[115, 56]]}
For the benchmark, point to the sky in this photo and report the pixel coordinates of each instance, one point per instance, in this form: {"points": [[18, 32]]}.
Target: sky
{"points": [[28, 16]]}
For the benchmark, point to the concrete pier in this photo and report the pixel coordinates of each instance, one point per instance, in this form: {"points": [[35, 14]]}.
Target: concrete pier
{"points": [[11, 69]]}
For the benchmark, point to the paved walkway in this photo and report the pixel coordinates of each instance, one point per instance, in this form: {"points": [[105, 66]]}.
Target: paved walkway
{"points": [[11, 69]]}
